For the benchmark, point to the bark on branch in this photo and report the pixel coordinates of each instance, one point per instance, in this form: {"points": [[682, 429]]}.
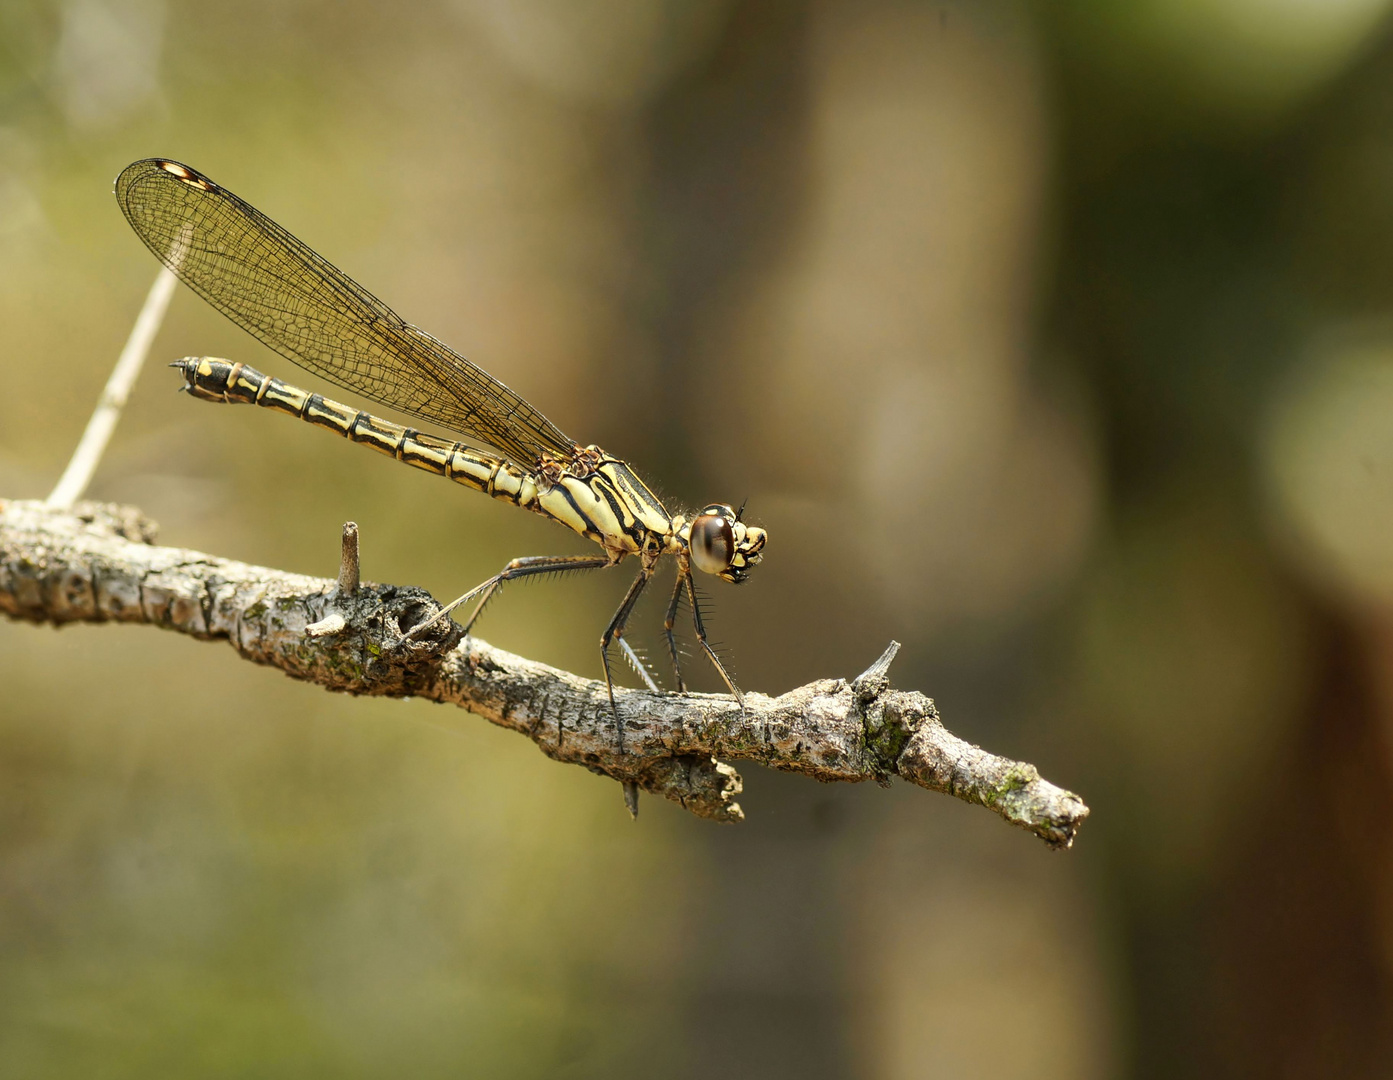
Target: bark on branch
{"points": [[98, 563]]}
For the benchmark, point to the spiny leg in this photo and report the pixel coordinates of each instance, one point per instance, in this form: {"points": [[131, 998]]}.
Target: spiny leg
{"points": [[530, 566], [524, 567], [710, 652], [667, 629], [615, 629], [629, 786], [639, 665], [542, 564]]}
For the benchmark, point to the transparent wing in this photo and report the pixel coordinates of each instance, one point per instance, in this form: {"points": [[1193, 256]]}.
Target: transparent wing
{"points": [[277, 289]]}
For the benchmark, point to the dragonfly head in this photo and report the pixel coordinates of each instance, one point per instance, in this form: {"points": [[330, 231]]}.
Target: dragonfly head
{"points": [[720, 543]]}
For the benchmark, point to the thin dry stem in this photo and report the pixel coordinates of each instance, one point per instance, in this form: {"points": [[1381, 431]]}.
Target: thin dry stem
{"points": [[102, 423]]}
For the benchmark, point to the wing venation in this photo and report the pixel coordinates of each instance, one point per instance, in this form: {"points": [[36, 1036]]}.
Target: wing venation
{"points": [[282, 292]]}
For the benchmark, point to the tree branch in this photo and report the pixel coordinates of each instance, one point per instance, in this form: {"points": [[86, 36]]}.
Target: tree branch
{"points": [[98, 563]]}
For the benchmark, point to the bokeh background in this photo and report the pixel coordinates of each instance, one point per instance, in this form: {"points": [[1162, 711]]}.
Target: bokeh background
{"points": [[1050, 339]]}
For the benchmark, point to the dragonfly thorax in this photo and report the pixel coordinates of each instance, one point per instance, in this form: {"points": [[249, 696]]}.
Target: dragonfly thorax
{"points": [[602, 498]]}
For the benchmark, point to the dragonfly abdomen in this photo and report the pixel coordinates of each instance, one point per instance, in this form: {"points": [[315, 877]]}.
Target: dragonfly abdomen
{"points": [[211, 379]]}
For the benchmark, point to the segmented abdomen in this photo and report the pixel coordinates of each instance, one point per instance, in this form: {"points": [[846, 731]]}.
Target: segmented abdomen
{"points": [[212, 379]]}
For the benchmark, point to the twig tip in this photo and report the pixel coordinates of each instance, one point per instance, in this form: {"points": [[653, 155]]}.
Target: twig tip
{"points": [[874, 679]]}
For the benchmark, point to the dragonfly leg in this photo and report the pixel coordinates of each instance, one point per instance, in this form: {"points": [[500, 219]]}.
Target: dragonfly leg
{"points": [[615, 629], [638, 664], [667, 629], [524, 567], [710, 652], [529, 566]]}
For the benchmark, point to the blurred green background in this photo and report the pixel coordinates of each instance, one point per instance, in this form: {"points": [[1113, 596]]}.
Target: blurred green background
{"points": [[1052, 340]]}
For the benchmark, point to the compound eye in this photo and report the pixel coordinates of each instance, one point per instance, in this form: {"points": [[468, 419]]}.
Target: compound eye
{"points": [[712, 543]]}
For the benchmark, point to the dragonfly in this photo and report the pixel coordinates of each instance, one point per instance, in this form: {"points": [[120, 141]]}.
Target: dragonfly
{"points": [[283, 293]]}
